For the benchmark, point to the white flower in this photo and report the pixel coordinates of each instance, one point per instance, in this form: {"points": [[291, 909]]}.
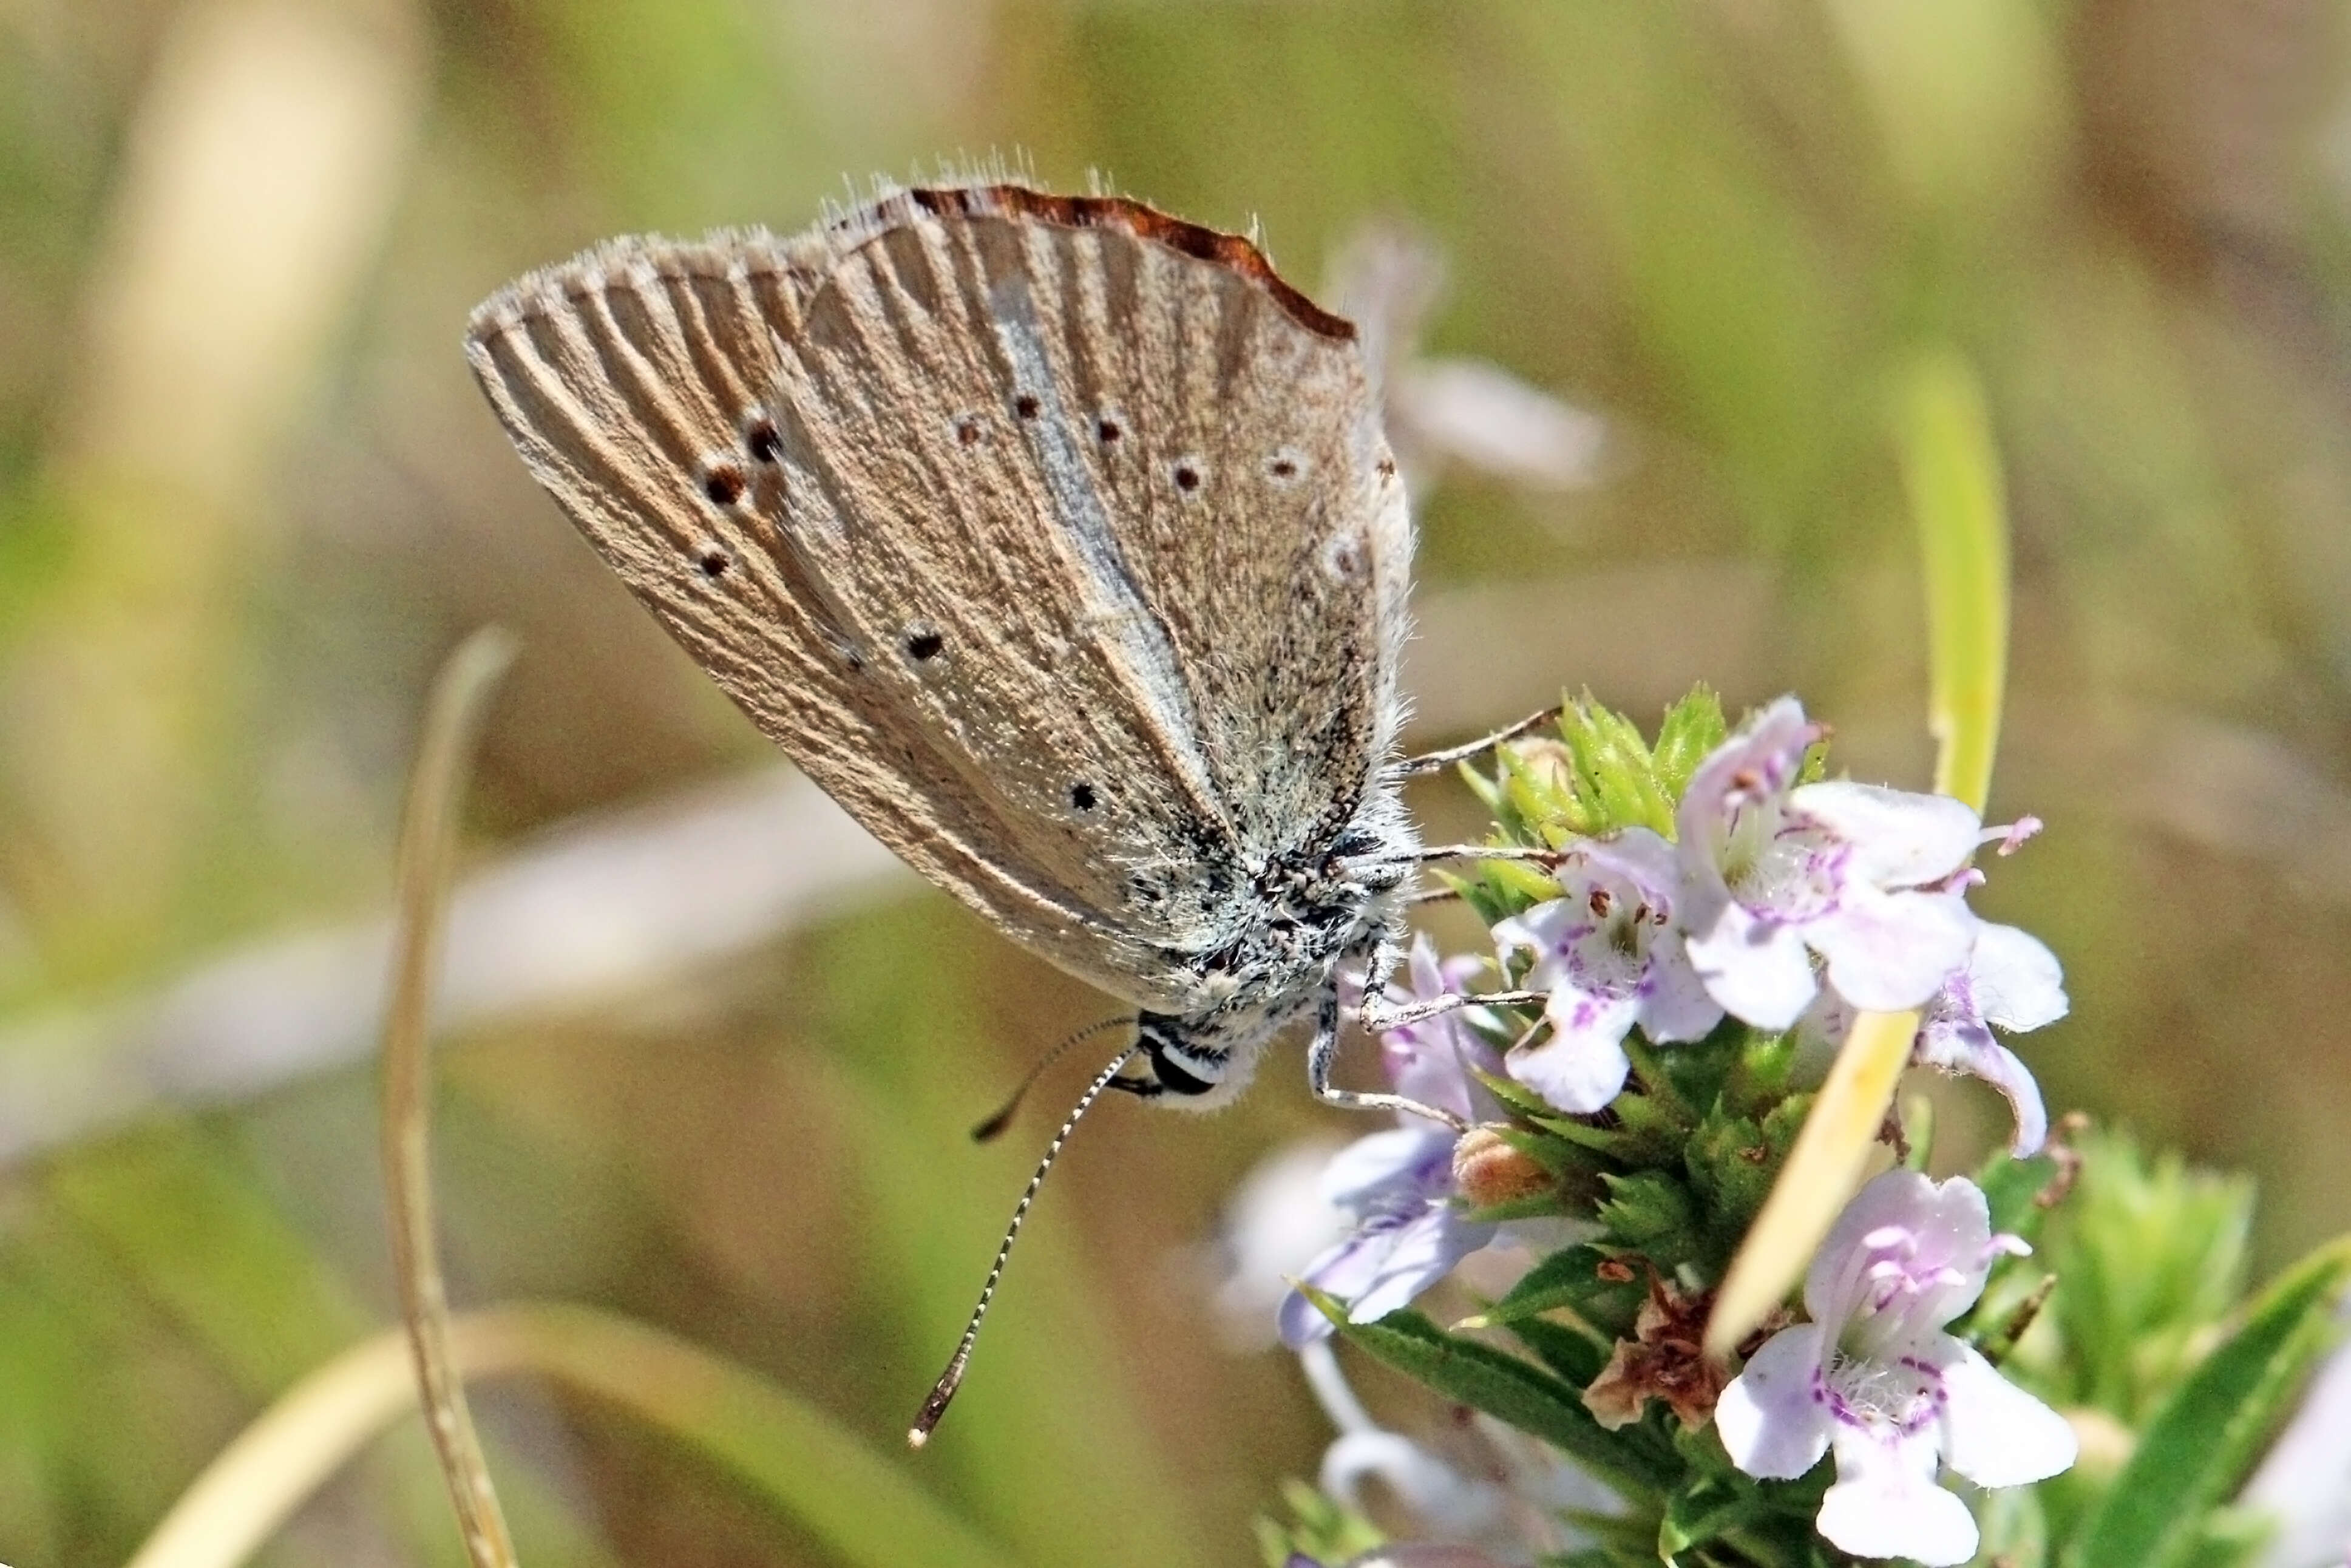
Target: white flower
{"points": [[1611, 957], [1409, 1229], [1772, 871], [1874, 1377], [2010, 981]]}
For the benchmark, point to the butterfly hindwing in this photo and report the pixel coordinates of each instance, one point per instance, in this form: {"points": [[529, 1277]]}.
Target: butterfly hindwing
{"points": [[1067, 558]]}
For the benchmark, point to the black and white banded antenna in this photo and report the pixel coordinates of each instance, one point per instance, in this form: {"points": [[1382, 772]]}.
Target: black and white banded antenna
{"points": [[988, 1130], [943, 1390]]}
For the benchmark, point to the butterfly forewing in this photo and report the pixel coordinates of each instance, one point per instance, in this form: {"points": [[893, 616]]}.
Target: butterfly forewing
{"points": [[1060, 553]]}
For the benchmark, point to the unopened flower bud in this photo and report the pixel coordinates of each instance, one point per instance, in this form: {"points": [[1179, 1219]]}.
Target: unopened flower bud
{"points": [[1490, 1172]]}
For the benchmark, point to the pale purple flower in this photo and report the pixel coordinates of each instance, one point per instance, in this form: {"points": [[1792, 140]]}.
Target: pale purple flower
{"points": [[2010, 981], [1409, 1231], [1430, 1061], [1609, 953], [1397, 1186], [1875, 1378], [1773, 872]]}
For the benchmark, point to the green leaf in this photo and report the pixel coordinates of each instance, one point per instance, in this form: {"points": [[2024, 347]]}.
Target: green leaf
{"points": [[2204, 1438], [1692, 727], [1703, 1510], [2012, 1189], [1648, 1210], [1572, 1353], [1323, 1530], [1613, 778], [2152, 1252], [1510, 1390], [1569, 1278], [1514, 1095], [2015, 1531]]}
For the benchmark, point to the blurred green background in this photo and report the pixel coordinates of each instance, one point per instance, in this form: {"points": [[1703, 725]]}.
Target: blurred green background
{"points": [[249, 497]]}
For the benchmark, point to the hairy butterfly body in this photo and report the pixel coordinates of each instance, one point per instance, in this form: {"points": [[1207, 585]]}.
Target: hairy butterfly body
{"points": [[1055, 538]]}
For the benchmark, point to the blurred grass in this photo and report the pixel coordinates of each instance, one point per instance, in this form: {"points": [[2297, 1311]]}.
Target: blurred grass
{"points": [[1725, 226]]}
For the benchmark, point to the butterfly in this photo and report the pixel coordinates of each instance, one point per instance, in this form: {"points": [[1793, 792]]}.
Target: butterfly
{"points": [[1058, 540]]}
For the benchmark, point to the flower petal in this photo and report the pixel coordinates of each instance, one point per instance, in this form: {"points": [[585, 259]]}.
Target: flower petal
{"points": [[2017, 983], [1641, 858], [1428, 1061], [1760, 760], [1773, 1418], [1756, 764], [1421, 1253], [1886, 1503], [1975, 1052], [1757, 969], [1996, 1434], [1948, 1224], [1676, 1006], [1345, 1270], [1888, 952], [1583, 1066], [1541, 928], [1899, 838], [1384, 1170]]}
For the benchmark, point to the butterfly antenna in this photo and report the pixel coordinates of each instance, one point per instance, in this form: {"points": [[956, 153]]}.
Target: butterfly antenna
{"points": [[943, 1390], [988, 1130]]}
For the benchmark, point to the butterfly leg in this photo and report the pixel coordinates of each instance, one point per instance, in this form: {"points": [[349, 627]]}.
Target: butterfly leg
{"points": [[1380, 1015], [1431, 762], [1323, 1055], [1529, 853]]}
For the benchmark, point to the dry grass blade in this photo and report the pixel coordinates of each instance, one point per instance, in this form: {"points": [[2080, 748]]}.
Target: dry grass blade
{"points": [[863, 1510], [1822, 1171], [427, 847]]}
